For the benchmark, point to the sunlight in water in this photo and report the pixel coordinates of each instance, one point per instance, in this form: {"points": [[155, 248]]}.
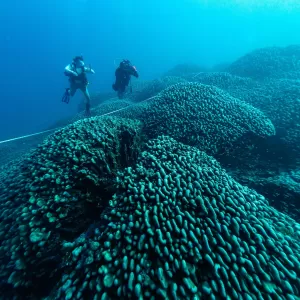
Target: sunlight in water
{"points": [[251, 5]]}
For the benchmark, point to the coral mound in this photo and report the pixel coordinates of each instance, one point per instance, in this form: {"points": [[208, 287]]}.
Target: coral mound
{"points": [[272, 62], [200, 115], [225, 81], [278, 99], [181, 228], [55, 194]]}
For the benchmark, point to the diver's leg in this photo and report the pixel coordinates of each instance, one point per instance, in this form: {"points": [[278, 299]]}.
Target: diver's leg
{"points": [[115, 87], [121, 91], [87, 99], [120, 95], [73, 88]]}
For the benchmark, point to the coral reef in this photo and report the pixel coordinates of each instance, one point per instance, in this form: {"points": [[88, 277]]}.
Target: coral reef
{"points": [[181, 228], [278, 156], [200, 115], [278, 99], [132, 205], [272, 62], [16, 150], [55, 194], [281, 186]]}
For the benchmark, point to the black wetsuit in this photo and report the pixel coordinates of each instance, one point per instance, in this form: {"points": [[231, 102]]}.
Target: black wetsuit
{"points": [[123, 74]]}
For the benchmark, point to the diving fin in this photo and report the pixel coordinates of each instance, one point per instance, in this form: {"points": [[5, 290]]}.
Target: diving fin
{"points": [[66, 96]]}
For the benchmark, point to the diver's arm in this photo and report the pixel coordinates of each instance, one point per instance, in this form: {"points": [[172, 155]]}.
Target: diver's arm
{"points": [[69, 71], [136, 74], [132, 71], [89, 70]]}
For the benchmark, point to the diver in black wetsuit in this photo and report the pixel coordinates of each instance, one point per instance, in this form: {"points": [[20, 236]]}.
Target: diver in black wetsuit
{"points": [[123, 74]]}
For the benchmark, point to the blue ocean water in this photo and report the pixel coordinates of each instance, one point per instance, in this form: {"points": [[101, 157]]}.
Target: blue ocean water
{"points": [[39, 38], [185, 184]]}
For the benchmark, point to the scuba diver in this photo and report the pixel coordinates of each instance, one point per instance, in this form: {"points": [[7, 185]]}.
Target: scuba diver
{"points": [[123, 74], [76, 71]]}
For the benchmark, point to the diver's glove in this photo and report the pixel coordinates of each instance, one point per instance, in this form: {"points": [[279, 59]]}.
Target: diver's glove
{"points": [[89, 69]]}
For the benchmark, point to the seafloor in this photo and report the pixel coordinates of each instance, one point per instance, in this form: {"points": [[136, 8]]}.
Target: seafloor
{"points": [[193, 194]]}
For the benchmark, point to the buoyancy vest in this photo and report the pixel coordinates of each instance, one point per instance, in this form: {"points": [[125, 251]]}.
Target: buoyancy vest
{"points": [[80, 78]]}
